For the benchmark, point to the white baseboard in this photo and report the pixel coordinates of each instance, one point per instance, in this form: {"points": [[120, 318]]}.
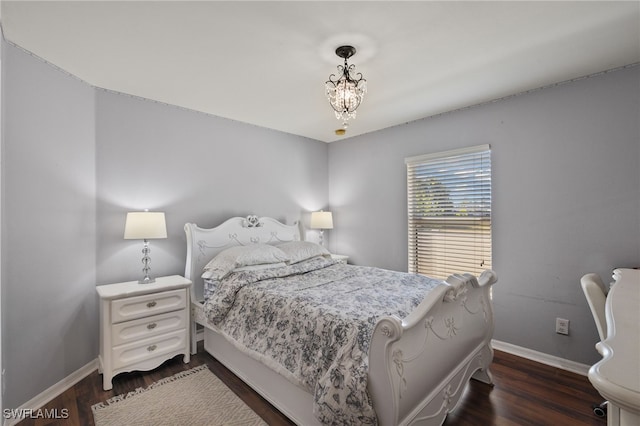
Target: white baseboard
{"points": [[551, 360], [53, 391]]}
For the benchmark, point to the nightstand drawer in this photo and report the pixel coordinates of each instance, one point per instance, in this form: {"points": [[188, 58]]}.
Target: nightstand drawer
{"points": [[142, 328], [145, 349], [147, 304]]}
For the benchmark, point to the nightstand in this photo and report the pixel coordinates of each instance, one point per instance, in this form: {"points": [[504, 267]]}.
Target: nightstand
{"points": [[341, 258], [142, 325]]}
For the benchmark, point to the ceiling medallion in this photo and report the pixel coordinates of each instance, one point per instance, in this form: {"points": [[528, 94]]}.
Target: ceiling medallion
{"points": [[345, 92]]}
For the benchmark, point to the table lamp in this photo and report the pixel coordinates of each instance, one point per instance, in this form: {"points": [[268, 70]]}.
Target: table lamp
{"points": [[321, 220], [145, 226]]}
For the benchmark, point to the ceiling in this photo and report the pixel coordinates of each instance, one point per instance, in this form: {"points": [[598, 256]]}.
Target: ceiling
{"points": [[265, 63]]}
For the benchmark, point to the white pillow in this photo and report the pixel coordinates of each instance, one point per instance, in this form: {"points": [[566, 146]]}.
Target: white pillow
{"points": [[260, 267], [236, 257], [297, 251]]}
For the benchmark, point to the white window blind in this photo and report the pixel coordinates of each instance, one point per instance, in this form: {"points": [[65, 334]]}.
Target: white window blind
{"points": [[449, 206]]}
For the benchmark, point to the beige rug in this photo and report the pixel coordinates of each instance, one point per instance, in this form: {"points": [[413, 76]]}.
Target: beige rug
{"points": [[192, 397]]}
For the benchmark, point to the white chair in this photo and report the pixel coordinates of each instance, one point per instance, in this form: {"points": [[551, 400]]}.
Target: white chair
{"points": [[596, 294]]}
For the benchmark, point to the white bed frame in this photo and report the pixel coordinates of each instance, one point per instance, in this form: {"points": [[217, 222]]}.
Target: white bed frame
{"points": [[418, 367]]}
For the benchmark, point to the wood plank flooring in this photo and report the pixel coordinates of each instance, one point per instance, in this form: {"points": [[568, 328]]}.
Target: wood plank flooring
{"points": [[525, 393]]}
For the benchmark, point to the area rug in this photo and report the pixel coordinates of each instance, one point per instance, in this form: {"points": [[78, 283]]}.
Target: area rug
{"points": [[192, 397]]}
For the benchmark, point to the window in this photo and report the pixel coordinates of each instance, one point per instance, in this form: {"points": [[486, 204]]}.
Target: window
{"points": [[449, 206]]}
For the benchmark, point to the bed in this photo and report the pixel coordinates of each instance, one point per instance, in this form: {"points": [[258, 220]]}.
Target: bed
{"points": [[414, 369]]}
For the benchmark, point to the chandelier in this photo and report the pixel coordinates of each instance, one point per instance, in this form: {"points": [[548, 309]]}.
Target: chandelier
{"points": [[345, 92]]}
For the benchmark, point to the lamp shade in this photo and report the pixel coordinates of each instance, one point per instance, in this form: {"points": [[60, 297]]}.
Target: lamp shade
{"points": [[321, 220], [145, 226]]}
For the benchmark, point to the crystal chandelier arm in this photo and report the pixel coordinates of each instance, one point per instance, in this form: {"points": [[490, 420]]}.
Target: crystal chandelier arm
{"points": [[341, 71]]}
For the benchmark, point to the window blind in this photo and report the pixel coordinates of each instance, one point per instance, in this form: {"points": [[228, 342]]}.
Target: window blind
{"points": [[449, 212]]}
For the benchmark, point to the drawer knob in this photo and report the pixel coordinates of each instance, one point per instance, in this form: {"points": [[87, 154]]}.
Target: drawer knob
{"points": [[152, 348], [152, 326], [151, 304]]}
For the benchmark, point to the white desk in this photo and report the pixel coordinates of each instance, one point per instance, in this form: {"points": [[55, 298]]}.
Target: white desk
{"points": [[617, 375]]}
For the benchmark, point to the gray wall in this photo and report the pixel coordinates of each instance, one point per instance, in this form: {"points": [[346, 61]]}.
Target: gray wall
{"points": [[196, 168], [48, 226], [76, 159], [566, 199]]}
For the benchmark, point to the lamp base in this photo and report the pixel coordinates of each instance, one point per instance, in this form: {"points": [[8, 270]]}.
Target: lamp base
{"points": [[145, 261]]}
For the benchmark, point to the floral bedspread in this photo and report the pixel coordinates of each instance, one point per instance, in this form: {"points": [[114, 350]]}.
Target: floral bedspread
{"points": [[312, 322]]}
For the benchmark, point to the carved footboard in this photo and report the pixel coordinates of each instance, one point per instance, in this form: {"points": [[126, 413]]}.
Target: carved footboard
{"points": [[418, 367]]}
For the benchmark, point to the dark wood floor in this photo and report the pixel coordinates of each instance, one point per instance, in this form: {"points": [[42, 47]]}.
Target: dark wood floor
{"points": [[525, 393]]}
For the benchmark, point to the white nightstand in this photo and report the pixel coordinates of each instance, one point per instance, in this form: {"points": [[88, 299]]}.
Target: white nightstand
{"points": [[142, 325], [341, 258]]}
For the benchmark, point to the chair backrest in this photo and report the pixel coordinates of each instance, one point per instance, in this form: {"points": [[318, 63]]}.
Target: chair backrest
{"points": [[594, 291]]}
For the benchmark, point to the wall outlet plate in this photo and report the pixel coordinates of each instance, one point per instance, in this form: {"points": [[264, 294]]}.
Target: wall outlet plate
{"points": [[562, 326]]}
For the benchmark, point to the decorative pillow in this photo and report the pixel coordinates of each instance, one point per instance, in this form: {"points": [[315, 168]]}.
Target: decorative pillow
{"points": [[297, 251], [236, 257]]}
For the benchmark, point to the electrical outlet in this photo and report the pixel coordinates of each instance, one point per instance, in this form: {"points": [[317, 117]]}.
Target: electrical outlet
{"points": [[562, 326]]}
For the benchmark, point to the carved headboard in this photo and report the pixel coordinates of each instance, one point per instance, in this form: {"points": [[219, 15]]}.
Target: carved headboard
{"points": [[204, 244]]}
